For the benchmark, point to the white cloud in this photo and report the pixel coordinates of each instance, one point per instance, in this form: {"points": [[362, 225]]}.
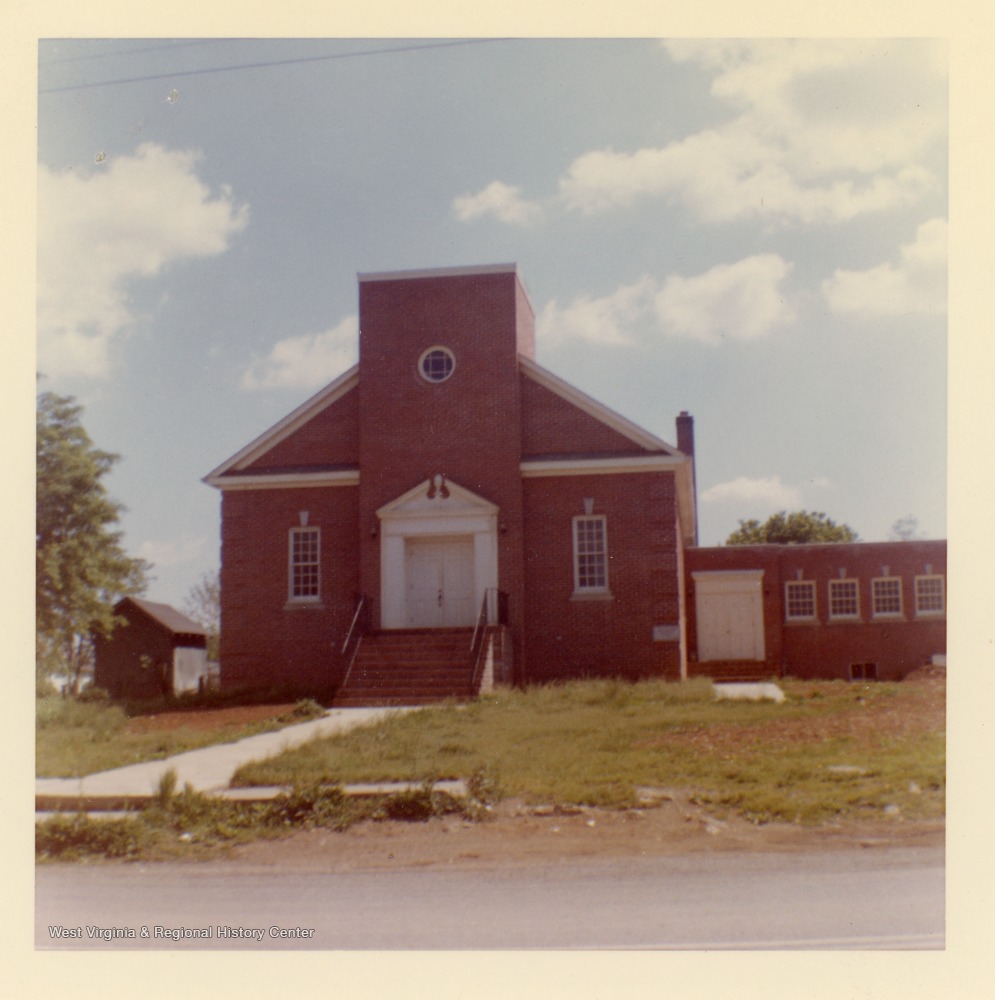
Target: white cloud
{"points": [[823, 131], [917, 284], [172, 552], [307, 361], [499, 200], [769, 491], [600, 321], [741, 301], [131, 217]]}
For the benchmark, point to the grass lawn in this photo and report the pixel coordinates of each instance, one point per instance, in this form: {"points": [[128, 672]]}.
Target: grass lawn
{"points": [[831, 751], [74, 738]]}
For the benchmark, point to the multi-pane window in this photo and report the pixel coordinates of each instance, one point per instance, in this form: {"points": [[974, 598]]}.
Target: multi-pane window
{"points": [[844, 599], [590, 554], [799, 600], [437, 364], [305, 564], [886, 595], [929, 595]]}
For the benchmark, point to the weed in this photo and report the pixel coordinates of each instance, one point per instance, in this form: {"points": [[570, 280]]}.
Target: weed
{"points": [[166, 788], [416, 805], [309, 806], [70, 837], [306, 708]]}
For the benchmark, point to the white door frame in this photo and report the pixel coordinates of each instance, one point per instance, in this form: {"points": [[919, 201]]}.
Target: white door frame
{"points": [[439, 509], [733, 582]]}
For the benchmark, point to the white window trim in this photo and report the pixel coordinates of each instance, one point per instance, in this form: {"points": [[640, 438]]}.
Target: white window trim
{"points": [[297, 599], [431, 350], [810, 585], [932, 613], [588, 592], [835, 617], [900, 613]]}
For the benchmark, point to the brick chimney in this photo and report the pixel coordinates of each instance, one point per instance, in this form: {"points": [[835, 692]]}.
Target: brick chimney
{"points": [[685, 433], [685, 444]]}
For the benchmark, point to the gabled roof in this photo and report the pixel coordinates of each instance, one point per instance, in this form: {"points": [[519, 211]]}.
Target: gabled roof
{"points": [[166, 615], [593, 408], [281, 431]]}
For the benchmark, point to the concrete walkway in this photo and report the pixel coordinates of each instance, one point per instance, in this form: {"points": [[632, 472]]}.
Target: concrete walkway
{"points": [[207, 770]]}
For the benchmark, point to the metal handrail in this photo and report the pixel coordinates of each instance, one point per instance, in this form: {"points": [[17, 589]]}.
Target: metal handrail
{"points": [[360, 603], [489, 615], [357, 628]]}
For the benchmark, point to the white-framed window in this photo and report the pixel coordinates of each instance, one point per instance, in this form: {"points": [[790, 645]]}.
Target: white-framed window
{"points": [[305, 564], [436, 364], [799, 601], [886, 596], [930, 595], [590, 555], [844, 599]]}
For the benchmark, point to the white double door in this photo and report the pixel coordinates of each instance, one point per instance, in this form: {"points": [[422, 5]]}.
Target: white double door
{"points": [[440, 582]]}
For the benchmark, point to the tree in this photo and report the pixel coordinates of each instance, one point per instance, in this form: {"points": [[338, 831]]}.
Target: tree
{"points": [[905, 529], [81, 569], [203, 605], [797, 528]]}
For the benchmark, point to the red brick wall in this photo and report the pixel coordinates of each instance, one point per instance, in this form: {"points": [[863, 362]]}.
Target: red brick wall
{"points": [[827, 648], [552, 426], [466, 428], [569, 638], [264, 642], [330, 438]]}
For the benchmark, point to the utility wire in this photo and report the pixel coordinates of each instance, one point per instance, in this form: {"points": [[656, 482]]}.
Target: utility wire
{"points": [[166, 47], [277, 62]]}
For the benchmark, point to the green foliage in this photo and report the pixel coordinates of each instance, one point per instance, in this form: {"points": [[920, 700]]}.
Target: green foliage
{"points": [[74, 736], [91, 695], [595, 743], [67, 838], [797, 528], [306, 708], [418, 805], [166, 788], [81, 567], [309, 806], [905, 529]]}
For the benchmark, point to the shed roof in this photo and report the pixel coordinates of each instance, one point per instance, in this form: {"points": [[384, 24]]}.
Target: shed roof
{"points": [[166, 615]]}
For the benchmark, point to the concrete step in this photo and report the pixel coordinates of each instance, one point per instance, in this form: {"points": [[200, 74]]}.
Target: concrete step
{"points": [[409, 667], [732, 670]]}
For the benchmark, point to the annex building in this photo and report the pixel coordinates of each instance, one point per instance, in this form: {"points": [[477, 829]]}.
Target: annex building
{"points": [[448, 514]]}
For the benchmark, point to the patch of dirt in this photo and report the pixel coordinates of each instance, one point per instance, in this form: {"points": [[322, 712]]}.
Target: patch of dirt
{"points": [[521, 835], [207, 719]]}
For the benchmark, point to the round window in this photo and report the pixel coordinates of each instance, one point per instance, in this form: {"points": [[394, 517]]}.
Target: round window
{"points": [[436, 364]]}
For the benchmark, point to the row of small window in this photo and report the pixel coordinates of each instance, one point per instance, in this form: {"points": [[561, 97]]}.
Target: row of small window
{"points": [[844, 598]]}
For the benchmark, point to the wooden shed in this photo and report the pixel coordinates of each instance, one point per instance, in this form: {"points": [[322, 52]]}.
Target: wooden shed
{"points": [[154, 651]]}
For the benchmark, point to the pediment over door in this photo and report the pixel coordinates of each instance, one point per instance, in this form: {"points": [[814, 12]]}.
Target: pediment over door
{"points": [[435, 520], [436, 498]]}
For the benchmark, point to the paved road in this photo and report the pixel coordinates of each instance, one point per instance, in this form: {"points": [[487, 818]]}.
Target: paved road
{"points": [[877, 898]]}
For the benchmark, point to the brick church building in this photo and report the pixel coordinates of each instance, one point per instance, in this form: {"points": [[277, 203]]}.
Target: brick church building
{"points": [[448, 514]]}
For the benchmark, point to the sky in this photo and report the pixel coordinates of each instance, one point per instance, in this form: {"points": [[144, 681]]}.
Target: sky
{"points": [[753, 231]]}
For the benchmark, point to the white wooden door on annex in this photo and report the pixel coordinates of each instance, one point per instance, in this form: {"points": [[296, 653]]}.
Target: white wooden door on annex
{"points": [[729, 612], [440, 582]]}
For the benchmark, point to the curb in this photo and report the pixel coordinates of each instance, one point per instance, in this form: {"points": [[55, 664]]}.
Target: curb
{"points": [[48, 803]]}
